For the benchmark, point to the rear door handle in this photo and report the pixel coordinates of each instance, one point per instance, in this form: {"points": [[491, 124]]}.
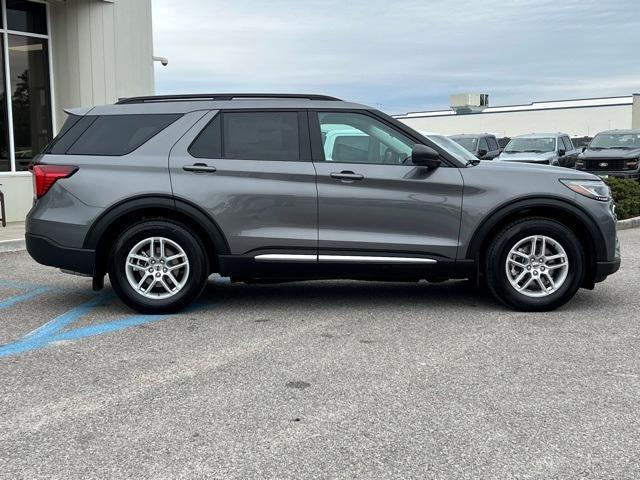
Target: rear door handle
{"points": [[347, 175], [199, 168]]}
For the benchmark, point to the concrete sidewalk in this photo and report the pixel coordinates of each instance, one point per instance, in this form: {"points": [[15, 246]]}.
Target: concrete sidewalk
{"points": [[12, 237]]}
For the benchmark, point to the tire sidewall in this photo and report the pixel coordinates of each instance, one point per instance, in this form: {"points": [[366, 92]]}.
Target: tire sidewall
{"points": [[503, 288], [198, 267]]}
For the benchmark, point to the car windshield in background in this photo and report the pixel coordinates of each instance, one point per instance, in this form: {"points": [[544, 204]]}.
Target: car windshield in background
{"points": [[452, 147], [616, 140], [537, 145], [469, 143]]}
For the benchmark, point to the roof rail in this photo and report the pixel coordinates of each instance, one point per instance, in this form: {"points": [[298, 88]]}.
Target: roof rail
{"points": [[223, 96]]}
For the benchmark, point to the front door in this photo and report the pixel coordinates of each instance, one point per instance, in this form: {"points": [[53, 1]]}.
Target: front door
{"points": [[372, 202]]}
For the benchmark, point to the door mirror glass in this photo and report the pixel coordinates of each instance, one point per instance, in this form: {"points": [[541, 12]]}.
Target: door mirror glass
{"points": [[424, 156]]}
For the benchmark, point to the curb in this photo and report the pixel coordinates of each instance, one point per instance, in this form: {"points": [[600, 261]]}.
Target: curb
{"points": [[12, 245], [629, 223]]}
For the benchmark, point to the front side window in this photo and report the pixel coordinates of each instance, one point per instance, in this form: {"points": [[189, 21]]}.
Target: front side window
{"points": [[261, 136], [568, 146], [357, 138], [493, 144], [483, 145]]}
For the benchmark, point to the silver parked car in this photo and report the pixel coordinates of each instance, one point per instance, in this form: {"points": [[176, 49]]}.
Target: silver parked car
{"points": [[161, 192], [541, 148]]}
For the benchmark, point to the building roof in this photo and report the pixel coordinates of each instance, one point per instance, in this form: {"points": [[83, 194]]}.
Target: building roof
{"points": [[544, 105]]}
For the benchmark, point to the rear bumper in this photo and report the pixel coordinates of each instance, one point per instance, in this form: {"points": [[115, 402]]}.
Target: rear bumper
{"points": [[47, 252], [604, 269]]}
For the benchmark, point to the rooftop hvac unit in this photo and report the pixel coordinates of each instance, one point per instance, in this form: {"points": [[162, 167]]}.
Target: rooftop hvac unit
{"points": [[469, 102]]}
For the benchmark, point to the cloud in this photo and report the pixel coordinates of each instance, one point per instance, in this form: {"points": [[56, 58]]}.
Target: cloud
{"points": [[402, 55]]}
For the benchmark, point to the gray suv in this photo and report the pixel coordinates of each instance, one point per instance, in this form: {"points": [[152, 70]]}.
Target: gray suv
{"points": [[161, 192]]}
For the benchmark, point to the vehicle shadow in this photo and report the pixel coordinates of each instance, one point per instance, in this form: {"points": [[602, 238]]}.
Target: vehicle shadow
{"points": [[348, 293]]}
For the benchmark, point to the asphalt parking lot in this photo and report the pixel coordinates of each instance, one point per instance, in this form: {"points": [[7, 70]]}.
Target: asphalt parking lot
{"points": [[318, 380]]}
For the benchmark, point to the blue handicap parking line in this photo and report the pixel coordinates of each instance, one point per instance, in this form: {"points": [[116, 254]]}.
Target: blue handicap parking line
{"points": [[11, 301], [52, 331]]}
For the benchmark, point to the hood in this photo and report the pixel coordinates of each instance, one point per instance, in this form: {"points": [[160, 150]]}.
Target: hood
{"points": [[526, 156], [527, 168], [611, 153]]}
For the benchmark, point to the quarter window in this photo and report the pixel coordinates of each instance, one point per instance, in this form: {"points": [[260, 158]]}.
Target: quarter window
{"points": [[357, 138], [114, 135], [209, 142]]}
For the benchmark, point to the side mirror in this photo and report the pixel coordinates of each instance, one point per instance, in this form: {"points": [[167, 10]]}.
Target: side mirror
{"points": [[424, 156], [481, 153], [561, 152]]}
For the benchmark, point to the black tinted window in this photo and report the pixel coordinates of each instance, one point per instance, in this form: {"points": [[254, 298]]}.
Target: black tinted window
{"points": [[483, 145], [208, 144], [26, 16], [567, 144], [261, 135], [119, 134], [493, 144]]}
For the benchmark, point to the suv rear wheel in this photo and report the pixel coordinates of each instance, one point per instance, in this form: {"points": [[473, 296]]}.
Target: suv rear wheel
{"points": [[535, 264], [158, 266]]}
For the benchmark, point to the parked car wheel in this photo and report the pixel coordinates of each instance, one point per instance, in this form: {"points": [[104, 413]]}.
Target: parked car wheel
{"points": [[158, 266], [535, 264]]}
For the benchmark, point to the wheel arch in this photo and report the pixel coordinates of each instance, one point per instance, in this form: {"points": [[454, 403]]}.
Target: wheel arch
{"points": [[560, 210], [118, 217]]}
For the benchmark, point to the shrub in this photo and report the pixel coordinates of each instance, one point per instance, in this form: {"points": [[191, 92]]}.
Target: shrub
{"points": [[626, 194]]}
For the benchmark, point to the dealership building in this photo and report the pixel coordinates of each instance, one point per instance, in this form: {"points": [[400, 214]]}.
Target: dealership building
{"points": [[59, 54], [470, 113]]}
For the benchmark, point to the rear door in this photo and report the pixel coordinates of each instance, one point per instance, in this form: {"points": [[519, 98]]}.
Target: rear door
{"points": [[372, 201], [252, 172]]}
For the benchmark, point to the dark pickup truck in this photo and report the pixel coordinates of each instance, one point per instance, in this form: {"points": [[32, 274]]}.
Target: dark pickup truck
{"points": [[614, 153]]}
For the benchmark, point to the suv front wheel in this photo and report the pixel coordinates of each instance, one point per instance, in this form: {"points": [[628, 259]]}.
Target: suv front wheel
{"points": [[158, 266], [535, 264]]}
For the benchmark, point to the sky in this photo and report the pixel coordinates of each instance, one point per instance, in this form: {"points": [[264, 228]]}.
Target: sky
{"points": [[400, 55]]}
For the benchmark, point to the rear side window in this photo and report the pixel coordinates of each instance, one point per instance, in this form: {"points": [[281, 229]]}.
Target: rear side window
{"points": [[261, 135], [250, 136], [493, 144], [115, 135]]}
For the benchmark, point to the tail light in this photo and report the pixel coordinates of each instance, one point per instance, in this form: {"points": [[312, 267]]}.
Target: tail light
{"points": [[44, 176]]}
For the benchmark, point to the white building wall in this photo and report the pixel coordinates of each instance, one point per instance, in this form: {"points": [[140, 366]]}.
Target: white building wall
{"points": [[577, 122], [100, 51]]}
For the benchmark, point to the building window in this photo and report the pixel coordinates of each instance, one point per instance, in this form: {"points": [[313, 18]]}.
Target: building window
{"points": [[26, 119]]}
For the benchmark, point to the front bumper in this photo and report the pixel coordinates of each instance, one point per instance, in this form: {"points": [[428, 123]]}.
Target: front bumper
{"points": [[630, 174], [47, 252]]}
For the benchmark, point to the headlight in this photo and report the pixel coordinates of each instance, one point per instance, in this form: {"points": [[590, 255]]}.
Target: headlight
{"points": [[595, 189]]}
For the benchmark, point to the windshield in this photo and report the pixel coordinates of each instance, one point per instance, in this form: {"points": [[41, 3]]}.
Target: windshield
{"points": [[528, 144], [469, 143], [615, 140], [452, 147]]}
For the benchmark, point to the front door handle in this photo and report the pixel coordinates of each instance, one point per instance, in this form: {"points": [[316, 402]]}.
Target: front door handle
{"points": [[347, 175], [199, 168]]}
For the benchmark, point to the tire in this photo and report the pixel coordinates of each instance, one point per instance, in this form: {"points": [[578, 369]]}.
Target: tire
{"points": [[177, 242], [553, 282]]}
